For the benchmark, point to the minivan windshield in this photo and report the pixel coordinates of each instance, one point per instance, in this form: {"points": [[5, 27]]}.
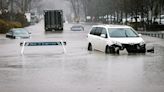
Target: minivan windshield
{"points": [[122, 32]]}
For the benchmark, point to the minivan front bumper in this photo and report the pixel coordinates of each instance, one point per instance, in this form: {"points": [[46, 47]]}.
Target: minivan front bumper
{"points": [[131, 48]]}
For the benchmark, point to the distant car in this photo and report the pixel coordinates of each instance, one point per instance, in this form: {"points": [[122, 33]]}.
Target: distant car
{"points": [[77, 28], [132, 19], [111, 18], [160, 19], [113, 38], [18, 33]]}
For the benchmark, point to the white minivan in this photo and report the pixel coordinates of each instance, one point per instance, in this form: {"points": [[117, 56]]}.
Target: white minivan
{"points": [[113, 38]]}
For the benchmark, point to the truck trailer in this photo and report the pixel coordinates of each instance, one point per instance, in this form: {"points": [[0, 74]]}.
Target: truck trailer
{"points": [[53, 20]]}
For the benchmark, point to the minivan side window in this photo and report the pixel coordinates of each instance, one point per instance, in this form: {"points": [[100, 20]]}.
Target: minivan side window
{"points": [[98, 31], [93, 30]]}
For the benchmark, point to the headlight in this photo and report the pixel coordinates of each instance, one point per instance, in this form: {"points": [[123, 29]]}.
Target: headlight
{"points": [[142, 43], [117, 43]]}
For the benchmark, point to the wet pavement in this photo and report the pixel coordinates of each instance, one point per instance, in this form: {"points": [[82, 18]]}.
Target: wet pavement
{"points": [[48, 69]]}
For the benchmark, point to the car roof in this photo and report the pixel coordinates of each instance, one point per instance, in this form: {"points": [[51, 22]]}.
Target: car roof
{"points": [[112, 26]]}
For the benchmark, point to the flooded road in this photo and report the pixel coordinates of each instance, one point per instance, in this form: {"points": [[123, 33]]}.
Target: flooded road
{"points": [[48, 69]]}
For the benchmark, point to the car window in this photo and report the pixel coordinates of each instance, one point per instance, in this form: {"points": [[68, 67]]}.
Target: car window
{"points": [[20, 32], [98, 31], [10, 32], [122, 32], [93, 30]]}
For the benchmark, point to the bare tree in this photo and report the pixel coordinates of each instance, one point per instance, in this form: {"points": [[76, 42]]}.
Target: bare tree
{"points": [[127, 8], [78, 7]]}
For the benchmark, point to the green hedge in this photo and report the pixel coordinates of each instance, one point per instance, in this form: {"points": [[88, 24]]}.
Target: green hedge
{"points": [[4, 26], [155, 27], [136, 25], [7, 25], [21, 18], [18, 20]]}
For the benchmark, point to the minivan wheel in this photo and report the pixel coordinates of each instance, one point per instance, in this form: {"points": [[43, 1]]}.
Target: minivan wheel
{"points": [[109, 50], [117, 51], [14, 37], [89, 47]]}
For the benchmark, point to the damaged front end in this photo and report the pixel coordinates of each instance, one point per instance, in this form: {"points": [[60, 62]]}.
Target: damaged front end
{"points": [[135, 48], [115, 48], [131, 48]]}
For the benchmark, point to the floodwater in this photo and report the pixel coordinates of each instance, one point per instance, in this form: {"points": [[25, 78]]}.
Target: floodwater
{"points": [[48, 69]]}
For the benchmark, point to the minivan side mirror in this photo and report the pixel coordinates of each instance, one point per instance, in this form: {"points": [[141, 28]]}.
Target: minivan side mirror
{"points": [[103, 35]]}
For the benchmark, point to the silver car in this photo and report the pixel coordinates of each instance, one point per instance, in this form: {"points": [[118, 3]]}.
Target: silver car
{"points": [[18, 33], [77, 28]]}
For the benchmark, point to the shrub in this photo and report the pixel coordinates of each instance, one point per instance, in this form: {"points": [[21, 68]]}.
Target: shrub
{"points": [[18, 20], [18, 17], [136, 25], [15, 24], [3, 26], [155, 27], [21, 18], [7, 25]]}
